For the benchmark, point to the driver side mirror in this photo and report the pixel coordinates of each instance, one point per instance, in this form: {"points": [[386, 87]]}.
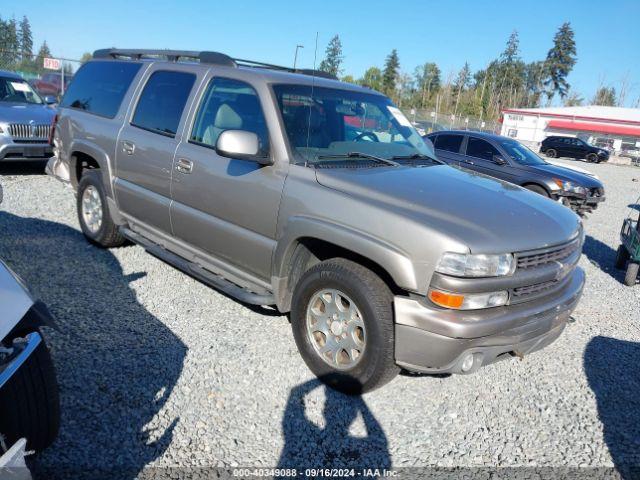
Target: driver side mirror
{"points": [[497, 159], [50, 99], [241, 144]]}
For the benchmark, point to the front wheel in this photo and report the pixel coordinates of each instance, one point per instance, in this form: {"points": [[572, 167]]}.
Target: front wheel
{"points": [[29, 405], [551, 153], [592, 158], [537, 189], [342, 320], [632, 274], [622, 255]]}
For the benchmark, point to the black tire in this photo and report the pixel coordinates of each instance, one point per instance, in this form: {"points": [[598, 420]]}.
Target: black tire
{"points": [[107, 235], [537, 189], [373, 298], [632, 274], [592, 158], [551, 153], [29, 402], [622, 255]]}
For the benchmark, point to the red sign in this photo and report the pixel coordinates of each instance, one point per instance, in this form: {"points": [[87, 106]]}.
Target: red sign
{"points": [[52, 63]]}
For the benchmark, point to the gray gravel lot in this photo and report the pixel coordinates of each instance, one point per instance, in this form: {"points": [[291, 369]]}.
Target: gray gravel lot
{"points": [[156, 369]]}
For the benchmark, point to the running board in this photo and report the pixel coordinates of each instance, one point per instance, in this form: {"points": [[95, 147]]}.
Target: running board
{"points": [[195, 270]]}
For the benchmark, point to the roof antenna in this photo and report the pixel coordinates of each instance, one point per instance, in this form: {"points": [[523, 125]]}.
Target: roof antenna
{"points": [[313, 83]]}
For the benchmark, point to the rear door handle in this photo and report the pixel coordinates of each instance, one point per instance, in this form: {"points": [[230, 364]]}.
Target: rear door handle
{"points": [[128, 147], [184, 166]]}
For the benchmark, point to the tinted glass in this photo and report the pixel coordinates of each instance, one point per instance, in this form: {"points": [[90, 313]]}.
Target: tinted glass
{"points": [[162, 101], [229, 105], [14, 90], [520, 153], [99, 87], [449, 143], [481, 149], [335, 127]]}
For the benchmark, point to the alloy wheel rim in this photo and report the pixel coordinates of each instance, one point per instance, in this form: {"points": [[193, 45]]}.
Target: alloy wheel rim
{"points": [[92, 209], [335, 328]]}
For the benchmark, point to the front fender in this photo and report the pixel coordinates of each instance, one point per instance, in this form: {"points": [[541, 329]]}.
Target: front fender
{"points": [[394, 261]]}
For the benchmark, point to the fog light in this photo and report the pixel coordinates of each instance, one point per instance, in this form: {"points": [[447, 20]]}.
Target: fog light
{"points": [[467, 363]]}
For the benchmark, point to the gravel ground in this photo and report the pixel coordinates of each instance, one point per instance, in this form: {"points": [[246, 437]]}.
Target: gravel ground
{"points": [[156, 369]]}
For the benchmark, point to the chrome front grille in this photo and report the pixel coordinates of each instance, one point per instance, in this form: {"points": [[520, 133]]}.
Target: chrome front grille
{"points": [[548, 255], [533, 289], [29, 131]]}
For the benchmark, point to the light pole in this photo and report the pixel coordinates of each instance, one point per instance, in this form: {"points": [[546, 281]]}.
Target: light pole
{"points": [[295, 57]]}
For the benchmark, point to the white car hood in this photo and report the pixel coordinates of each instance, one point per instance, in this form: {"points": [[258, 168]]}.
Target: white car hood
{"points": [[15, 300]]}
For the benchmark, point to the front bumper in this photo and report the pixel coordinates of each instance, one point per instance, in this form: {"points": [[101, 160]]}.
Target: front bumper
{"points": [[582, 203], [25, 151], [434, 340]]}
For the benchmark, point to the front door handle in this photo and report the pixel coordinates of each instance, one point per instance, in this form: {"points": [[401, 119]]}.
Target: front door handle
{"points": [[184, 166], [128, 147]]}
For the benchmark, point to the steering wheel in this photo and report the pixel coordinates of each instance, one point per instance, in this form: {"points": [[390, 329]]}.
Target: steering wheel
{"points": [[371, 135]]}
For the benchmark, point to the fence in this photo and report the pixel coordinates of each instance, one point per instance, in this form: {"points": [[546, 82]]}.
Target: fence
{"points": [[432, 120], [49, 76]]}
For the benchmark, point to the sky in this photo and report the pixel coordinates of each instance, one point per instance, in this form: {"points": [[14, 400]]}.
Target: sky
{"points": [[446, 32]]}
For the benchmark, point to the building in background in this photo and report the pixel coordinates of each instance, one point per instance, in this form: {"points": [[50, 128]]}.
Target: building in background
{"points": [[614, 128]]}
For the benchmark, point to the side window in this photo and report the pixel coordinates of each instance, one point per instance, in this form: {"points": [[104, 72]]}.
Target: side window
{"points": [[229, 104], [481, 149], [162, 102], [449, 143], [99, 87]]}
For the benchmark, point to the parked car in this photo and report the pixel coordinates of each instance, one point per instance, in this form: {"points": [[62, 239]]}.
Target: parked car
{"points": [[509, 160], [254, 181], [572, 147], [25, 121], [29, 406], [51, 84]]}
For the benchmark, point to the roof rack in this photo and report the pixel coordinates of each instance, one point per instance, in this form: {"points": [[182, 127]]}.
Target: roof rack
{"points": [[212, 58]]}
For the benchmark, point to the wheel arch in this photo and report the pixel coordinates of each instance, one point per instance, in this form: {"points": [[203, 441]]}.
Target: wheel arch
{"points": [[87, 156]]}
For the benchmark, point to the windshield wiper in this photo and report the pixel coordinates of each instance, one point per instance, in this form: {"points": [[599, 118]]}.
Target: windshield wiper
{"points": [[417, 156], [360, 155]]}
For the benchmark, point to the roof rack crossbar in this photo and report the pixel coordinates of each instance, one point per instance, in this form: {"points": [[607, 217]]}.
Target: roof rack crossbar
{"points": [[213, 58]]}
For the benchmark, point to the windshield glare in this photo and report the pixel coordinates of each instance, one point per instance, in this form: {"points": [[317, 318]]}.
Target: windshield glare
{"points": [[322, 122], [521, 154], [17, 91]]}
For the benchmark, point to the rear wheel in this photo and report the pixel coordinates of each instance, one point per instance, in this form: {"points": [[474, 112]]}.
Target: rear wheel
{"points": [[29, 402], [632, 274], [93, 212], [592, 158], [551, 153], [342, 320], [621, 257]]}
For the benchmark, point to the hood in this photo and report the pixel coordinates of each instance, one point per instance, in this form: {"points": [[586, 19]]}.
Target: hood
{"points": [[24, 113], [572, 167], [564, 173], [487, 215]]}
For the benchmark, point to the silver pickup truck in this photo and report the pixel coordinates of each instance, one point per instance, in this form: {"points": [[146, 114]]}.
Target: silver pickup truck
{"points": [[291, 189]]}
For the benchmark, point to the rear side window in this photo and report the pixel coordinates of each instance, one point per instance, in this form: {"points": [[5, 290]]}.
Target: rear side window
{"points": [[481, 149], [449, 143], [99, 87], [162, 102], [229, 105]]}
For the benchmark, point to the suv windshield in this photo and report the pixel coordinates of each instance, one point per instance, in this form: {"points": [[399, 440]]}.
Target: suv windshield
{"points": [[520, 153], [327, 125], [18, 91]]}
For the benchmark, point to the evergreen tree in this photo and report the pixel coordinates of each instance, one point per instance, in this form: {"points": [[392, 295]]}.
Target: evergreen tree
{"points": [[390, 74], [605, 96], [26, 39], [9, 43], [372, 78], [560, 61], [573, 99], [333, 57], [512, 50]]}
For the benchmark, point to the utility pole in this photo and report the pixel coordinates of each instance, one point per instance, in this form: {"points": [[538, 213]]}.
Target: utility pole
{"points": [[295, 57]]}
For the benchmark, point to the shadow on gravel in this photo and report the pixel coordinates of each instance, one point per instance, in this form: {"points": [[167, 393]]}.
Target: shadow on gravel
{"points": [[309, 446], [116, 363], [611, 369], [22, 168], [602, 256]]}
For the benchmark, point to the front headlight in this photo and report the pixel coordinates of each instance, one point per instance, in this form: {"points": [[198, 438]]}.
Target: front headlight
{"points": [[468, 265], [570, 186]]}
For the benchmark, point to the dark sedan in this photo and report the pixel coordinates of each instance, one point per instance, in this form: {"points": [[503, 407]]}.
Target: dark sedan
{"points": [[507, 159]]}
